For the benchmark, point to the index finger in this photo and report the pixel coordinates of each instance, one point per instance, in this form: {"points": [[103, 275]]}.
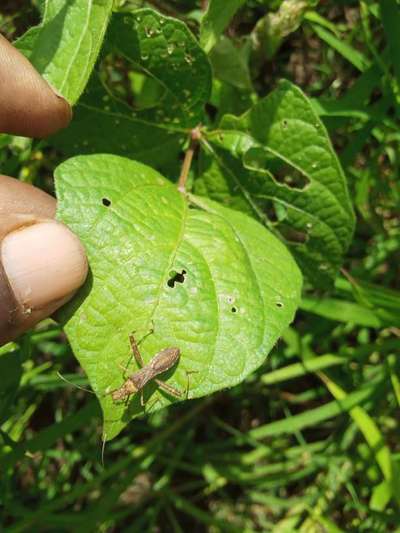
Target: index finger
{"points": [[28, 105]]}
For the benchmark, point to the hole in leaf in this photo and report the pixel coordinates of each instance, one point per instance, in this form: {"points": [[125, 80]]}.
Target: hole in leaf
{"points": [[211, 111], [176, 277], [234, 309], [283, 173], [275, 211], [279, 304], [268, 208], [292, 235], [287, 175], [106, 202]]}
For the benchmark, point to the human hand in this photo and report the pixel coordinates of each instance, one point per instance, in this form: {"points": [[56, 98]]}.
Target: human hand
{"points": [[42, 263]]}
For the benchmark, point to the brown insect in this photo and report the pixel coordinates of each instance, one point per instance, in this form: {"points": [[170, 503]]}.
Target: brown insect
{"points": [[160, 363]]}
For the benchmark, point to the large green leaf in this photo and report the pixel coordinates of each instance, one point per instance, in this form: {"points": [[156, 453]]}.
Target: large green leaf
{"points": [[236, 286], [123, 131], [276, 162], [230, 63], [164, 49], [216, 19], [64, 48]]}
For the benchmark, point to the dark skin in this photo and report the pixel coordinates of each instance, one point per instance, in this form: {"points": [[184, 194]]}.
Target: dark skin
{"points": [[30, 107]]}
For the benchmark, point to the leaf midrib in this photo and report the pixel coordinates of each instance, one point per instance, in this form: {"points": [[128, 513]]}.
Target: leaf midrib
{"points": [[78, 46]]}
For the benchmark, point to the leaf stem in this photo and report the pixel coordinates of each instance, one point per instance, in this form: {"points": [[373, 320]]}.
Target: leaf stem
{"points": [[195, 136]]}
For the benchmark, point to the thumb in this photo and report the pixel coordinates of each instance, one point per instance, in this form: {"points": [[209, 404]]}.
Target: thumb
{"points": [[42, 264]]}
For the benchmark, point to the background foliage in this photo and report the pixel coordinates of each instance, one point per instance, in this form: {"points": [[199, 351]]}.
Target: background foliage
{"points": [[310, 441]]}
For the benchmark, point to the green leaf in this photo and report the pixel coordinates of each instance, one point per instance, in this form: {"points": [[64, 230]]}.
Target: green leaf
{"points": [[384, 303], [231, 63], [341, 311], [208, 280], [276, 163], [381, 496], [271, 29], [125, 132], [65, 46], [216, 19], [166, 50]]}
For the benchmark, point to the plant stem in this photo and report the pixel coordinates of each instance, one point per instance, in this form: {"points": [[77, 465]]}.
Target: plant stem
{"points": [[195, 136]]}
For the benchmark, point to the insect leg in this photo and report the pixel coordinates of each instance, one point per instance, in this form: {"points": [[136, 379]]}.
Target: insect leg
{"points": [[73, 384], [152, 404], [124, 368], [127, 398], [169, 389], [150, 332], [188, 372], [136, 351], [135, 347]]}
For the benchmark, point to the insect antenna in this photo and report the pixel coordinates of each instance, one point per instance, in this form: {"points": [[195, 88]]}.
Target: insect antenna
{"points": [[104, 437], [73, 384]]}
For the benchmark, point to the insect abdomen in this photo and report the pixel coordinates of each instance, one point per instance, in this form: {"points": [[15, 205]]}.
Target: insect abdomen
{"points": [[165, 360]]}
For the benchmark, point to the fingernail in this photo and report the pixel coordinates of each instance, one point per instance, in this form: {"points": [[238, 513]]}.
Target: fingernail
{"points": [[43, 263]]}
